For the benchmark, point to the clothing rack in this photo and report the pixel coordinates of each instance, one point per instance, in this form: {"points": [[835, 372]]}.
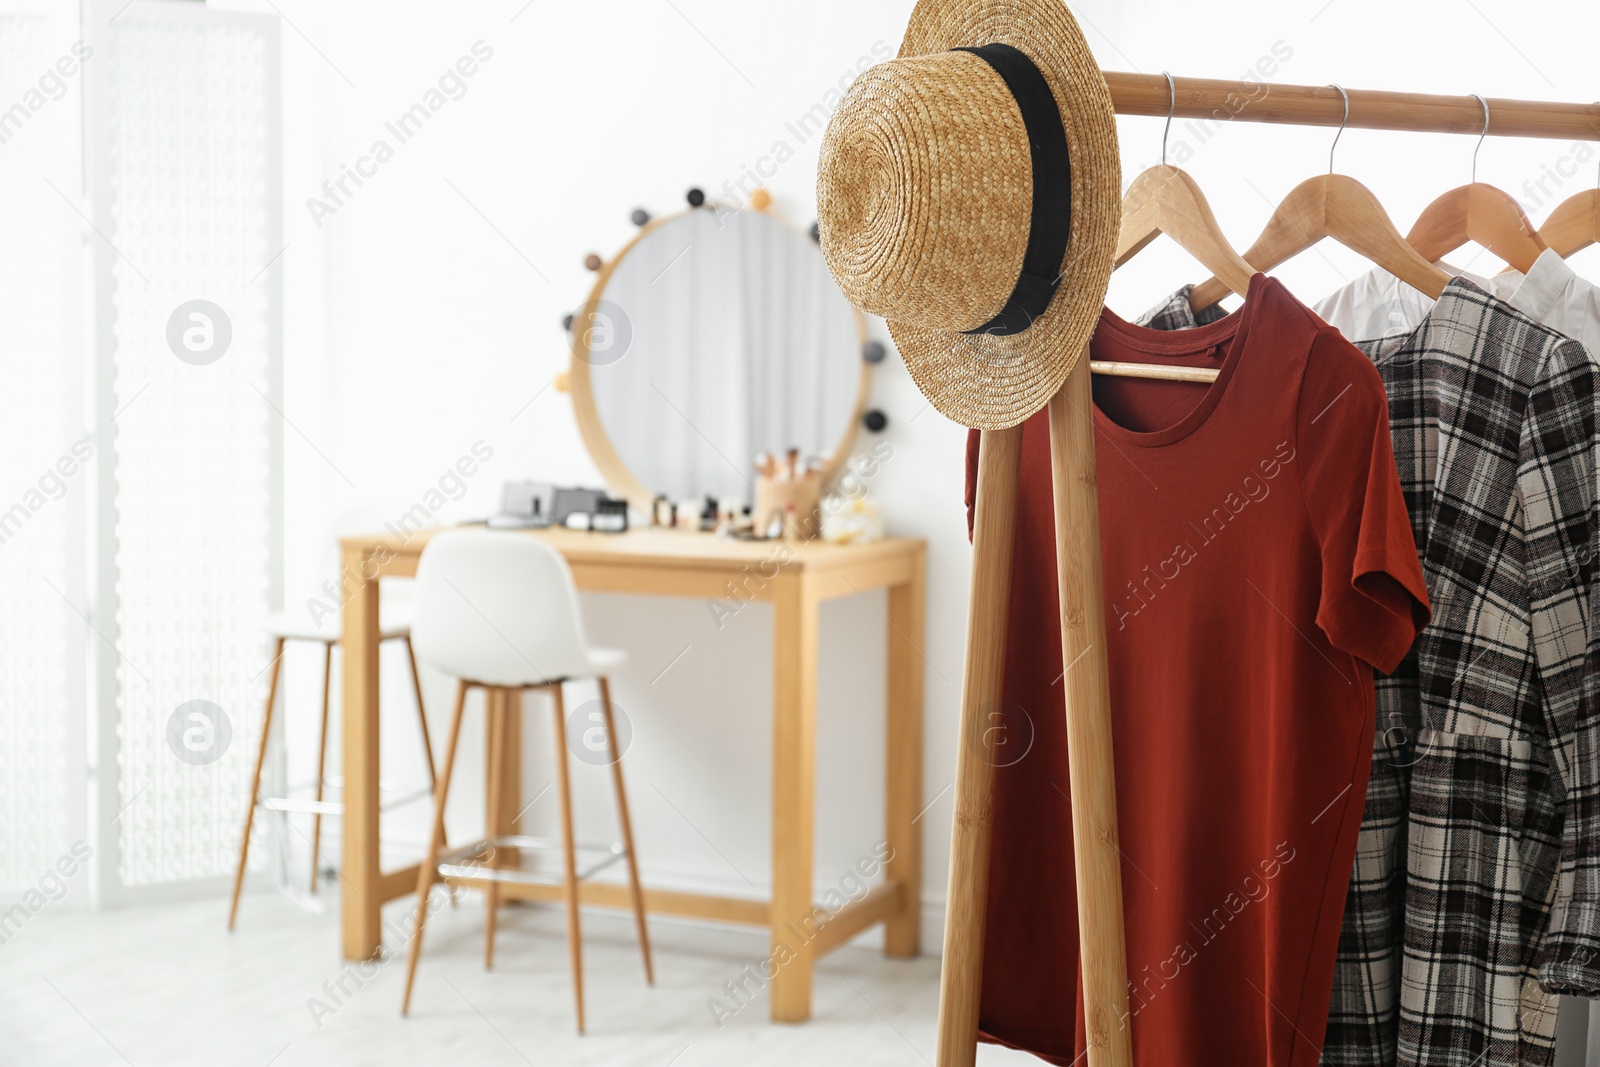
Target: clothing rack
{"points": [[1085, 680]]}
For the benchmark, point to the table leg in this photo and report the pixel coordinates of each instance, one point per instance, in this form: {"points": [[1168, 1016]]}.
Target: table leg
{"points": [[903, 747], [361, 899], [504, 706], [794, 692], [497, 757], [493, 697], [511, 774]]}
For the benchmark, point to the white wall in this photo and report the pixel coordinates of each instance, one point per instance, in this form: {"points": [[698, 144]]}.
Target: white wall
{"points": [[424, 314]]}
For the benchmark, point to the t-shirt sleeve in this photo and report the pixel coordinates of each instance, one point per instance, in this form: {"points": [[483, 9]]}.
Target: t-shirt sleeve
{"points": [[1374, 601]]}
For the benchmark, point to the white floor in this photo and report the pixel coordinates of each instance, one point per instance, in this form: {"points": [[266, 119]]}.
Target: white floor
{"points": [[164, 986]]}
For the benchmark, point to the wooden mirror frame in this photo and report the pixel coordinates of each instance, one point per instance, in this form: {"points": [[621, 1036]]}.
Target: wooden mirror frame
{"points": [[578, 383]]}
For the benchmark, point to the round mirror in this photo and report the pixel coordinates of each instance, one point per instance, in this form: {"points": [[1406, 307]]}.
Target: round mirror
{"points": [[714, 336]]}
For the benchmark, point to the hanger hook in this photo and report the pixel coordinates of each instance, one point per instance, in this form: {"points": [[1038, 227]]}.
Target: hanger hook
{"points": [[1342, 123], [1172, 107], [1481, 136]]}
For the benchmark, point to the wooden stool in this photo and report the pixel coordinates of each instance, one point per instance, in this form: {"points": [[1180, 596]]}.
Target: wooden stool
{"points": [[284, 627]]}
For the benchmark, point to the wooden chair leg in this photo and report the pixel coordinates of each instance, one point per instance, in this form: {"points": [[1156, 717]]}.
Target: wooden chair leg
{"points": [[255, 782], [322, 762], [430, 862], [495, 743], [569, 856], [422, 715], [634, 888]]}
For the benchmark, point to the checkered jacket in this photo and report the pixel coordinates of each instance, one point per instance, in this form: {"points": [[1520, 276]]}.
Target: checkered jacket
{"points": [[1476, 890]]}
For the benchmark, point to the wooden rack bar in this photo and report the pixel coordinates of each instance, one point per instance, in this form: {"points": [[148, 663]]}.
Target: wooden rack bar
{"points": [[1321, 105]]}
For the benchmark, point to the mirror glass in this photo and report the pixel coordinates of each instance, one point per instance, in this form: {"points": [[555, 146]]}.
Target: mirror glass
{"points": [[720, 336]]}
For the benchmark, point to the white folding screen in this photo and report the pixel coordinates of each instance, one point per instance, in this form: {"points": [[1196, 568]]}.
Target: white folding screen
{"points": [[184, 182], [43, 447]]}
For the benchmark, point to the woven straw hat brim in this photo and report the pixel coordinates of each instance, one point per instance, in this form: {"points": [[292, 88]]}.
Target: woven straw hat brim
{"points": [[992, 382]]}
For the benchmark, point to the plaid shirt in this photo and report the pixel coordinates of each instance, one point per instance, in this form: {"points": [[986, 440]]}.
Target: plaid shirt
{"points": [[1476, 889], [1174, 313]]}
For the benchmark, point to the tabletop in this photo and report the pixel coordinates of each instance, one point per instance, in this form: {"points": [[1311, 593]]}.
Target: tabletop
{"points": [[666, 548]]}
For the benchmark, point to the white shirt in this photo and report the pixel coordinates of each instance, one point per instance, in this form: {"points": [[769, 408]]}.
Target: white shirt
{"points": [[1554, 295], [1378, 304]]}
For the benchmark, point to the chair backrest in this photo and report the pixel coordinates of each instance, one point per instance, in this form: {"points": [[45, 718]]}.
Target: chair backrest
{"points": [[498, 607]]}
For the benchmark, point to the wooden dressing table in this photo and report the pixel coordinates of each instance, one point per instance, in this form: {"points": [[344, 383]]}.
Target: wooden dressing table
{"points": [[795, 578]]}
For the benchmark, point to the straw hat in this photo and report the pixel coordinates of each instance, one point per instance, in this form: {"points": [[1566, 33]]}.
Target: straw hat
{"points": [[946, 171]]}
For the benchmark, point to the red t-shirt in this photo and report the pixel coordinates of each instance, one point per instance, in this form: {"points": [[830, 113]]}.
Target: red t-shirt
{"points": [[1259, 564]]}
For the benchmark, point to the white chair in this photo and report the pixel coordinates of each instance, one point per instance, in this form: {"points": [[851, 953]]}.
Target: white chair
{"points": [[324, 626], [498, 611]]}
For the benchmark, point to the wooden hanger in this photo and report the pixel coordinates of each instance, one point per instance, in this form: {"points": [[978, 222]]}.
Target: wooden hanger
{"points": [[1336, 206], [1477, 213], [1574, 224], [1166, 200]]}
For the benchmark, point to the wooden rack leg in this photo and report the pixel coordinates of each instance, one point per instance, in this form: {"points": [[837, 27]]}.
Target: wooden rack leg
{"points": [[994, 526], [1089, 754]]}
